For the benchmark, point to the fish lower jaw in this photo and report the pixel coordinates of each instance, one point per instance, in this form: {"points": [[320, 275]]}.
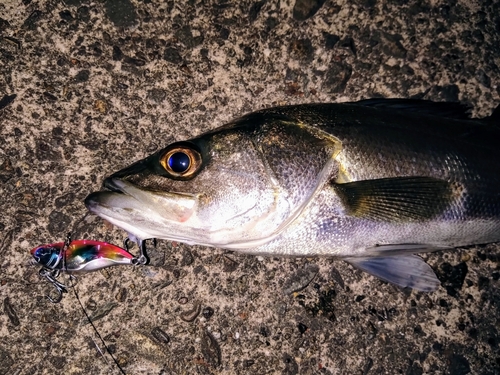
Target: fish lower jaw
{"points": [[138, 234], [135, 234]]}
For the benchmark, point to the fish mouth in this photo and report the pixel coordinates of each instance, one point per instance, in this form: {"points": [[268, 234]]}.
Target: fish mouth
{"points": [[110, 184], [140, 211]]}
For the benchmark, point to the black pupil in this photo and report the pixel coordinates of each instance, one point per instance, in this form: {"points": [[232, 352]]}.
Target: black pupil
{"points": [[179, 162]]}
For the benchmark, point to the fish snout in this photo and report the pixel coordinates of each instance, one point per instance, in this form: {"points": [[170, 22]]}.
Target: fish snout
{"points": [[99, 198], [111, 183], [92, 201]]}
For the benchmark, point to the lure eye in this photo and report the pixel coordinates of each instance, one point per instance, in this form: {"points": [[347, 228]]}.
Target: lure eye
{"points": [[40, 253], [181, 161]]}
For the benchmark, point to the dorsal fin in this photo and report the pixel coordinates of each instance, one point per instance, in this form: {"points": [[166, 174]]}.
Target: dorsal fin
{"points": [[495, 116], [455, 110]]}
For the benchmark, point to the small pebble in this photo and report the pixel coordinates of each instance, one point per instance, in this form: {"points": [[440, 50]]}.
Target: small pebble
{"points": [[101, 106], [304, 9], [300, 279], [207, 312], [190, 315], [91, 305], [100, 312], [230, 265], [210, 350], [10, 312], [160, 335], [121, 296], [302, 328]]}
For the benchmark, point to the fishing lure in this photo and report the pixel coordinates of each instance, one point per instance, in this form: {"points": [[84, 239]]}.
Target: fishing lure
{"points": [[78, 257]]}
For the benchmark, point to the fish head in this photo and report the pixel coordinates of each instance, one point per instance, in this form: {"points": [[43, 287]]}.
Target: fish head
{"points": [[235, 187], [48, 256]]}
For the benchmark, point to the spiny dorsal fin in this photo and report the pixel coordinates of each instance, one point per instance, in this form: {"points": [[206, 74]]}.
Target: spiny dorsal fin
{"points": [[399, 199], [442, 109], [495, 116]]}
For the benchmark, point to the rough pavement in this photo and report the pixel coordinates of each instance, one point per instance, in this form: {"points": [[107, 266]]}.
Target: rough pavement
{"points": [[99, 84]]}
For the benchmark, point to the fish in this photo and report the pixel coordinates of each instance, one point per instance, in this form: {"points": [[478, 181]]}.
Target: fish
{"points": [[373, 182]]}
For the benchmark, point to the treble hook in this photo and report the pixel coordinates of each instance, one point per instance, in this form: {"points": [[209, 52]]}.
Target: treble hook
{"points": [[143, 258], [51, 277]]}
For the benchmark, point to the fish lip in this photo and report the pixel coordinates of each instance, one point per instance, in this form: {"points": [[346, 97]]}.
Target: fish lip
{"points": [[125, 197], [91, 201], [110, 184]]}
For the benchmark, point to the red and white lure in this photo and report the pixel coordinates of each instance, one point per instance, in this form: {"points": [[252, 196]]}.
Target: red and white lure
{"points": [[78, 257]]}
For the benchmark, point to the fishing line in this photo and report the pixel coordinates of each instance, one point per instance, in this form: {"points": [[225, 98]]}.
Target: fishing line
{"points": [[95, 329], [74, 229], [54, 260]]}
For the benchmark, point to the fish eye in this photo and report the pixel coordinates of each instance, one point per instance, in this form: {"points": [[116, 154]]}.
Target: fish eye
{"points": [[181, 161]]}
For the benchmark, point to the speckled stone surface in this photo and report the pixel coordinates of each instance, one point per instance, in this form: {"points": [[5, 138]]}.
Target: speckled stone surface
{"points": [[102, 83]]}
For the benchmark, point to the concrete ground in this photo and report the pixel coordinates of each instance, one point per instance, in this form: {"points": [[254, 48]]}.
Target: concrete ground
{"points": [[99, 84]]}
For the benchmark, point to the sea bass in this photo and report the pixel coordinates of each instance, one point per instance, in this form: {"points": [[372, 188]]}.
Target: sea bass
{"points": [[372, 182]]}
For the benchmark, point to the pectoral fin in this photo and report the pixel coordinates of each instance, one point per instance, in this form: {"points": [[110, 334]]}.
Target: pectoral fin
{"points": [[399, 199], [403, 270]]}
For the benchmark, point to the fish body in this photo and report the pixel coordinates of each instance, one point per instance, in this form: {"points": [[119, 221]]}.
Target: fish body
{"points": [[80, 256], [371, 182]]}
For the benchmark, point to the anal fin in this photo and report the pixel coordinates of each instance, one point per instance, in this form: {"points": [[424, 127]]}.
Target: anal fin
{"points": [[403, 248], [407, 271]]}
